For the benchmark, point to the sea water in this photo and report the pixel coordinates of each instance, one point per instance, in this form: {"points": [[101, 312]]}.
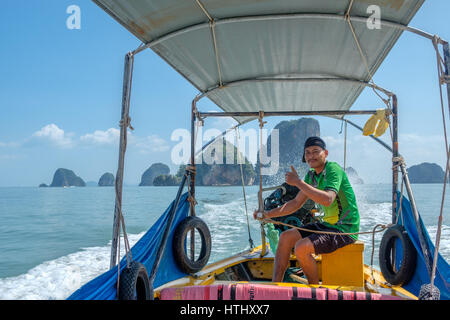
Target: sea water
{"points": [[53, 240]]}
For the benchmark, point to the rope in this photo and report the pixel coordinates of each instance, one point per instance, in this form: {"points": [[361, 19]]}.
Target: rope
{"points": [[268, 220], [442, 79], [204, 9], [212, 25], [382, 226], [124, 123], [189, 171], [400, 211], [250, 240], [347, 18], [373, 247], [347, 13], [441, 74]]}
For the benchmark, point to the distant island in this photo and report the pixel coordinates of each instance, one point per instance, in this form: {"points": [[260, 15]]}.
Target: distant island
{"points": [[292, 134], [66, 178], [155, 170], [353, 176], [292, 137], [426, 173], [106, 180], [166, 180]]}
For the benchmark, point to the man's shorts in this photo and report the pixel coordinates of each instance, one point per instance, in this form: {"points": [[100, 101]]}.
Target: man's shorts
{"points": [[325, 243]]}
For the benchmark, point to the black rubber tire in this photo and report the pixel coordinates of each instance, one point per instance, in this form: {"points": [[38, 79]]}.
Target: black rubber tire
{"points": [[408, 265], [134, 283], [184, 262]]}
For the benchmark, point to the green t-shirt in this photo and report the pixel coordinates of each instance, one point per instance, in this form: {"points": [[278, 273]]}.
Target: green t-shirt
{"points": [[343, 213]]}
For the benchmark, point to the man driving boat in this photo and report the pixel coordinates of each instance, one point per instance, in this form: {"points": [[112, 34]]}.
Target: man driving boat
{"points": [[327, 184]]}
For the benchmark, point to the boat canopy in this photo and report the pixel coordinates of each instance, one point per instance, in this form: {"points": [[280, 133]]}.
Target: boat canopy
{"points": [[271, 56]]}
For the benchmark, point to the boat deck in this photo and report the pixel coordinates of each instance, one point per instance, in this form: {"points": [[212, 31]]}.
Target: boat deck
{"points": [[249, 268]]}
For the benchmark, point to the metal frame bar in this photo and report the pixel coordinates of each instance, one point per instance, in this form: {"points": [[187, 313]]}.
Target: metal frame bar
{"points": [[293, 78], [192, 175], [323, 16], [128, 67], [286, 113], [384, 144], [395, 154], [446, 50]]}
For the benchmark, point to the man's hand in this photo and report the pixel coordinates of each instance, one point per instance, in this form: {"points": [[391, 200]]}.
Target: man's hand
{"points": [[292, 177], [258, 215]]}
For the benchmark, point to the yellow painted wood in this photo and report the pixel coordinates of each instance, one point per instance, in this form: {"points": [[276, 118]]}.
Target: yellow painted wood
{"points": [[344, 266], [348, 260]]}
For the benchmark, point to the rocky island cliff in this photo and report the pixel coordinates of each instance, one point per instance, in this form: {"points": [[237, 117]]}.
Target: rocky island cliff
{"points": [[66, 178], [426, 173]]}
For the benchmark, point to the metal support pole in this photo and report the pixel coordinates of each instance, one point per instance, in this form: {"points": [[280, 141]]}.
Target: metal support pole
{"points": [[447, 70], [192, 176], [124, 123], [165, 235], [395, 155], [372, 136], [192, 172], [345, 146], [260, 199]]}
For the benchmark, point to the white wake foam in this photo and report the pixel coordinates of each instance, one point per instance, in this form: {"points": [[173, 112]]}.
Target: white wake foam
{"points": [[58, 279]]}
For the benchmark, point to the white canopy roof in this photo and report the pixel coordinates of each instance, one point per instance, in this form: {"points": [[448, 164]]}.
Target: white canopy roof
{"points": [[281, 55]]}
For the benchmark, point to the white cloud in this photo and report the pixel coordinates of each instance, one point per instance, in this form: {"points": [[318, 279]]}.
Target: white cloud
{"points": [[111, 136], [55, 135], [9, 144], [99, 137], [9, 157], [373, 162], [417, 148], [331, 141], [152, 143], [223, 124]]}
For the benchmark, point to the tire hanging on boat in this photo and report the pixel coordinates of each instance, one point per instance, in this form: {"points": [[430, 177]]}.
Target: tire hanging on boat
{"points": [[184, 262], [134, 283], [403, 274]]}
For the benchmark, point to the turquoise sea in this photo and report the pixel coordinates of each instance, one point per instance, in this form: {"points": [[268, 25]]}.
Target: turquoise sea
{"points": [[54, 240]]}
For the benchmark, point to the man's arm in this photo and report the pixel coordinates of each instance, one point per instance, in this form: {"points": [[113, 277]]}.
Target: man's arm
{"points": [[287, 208], [323, 197]]}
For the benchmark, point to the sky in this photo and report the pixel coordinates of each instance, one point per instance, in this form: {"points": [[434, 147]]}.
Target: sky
{"points": [[61, 91]]}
